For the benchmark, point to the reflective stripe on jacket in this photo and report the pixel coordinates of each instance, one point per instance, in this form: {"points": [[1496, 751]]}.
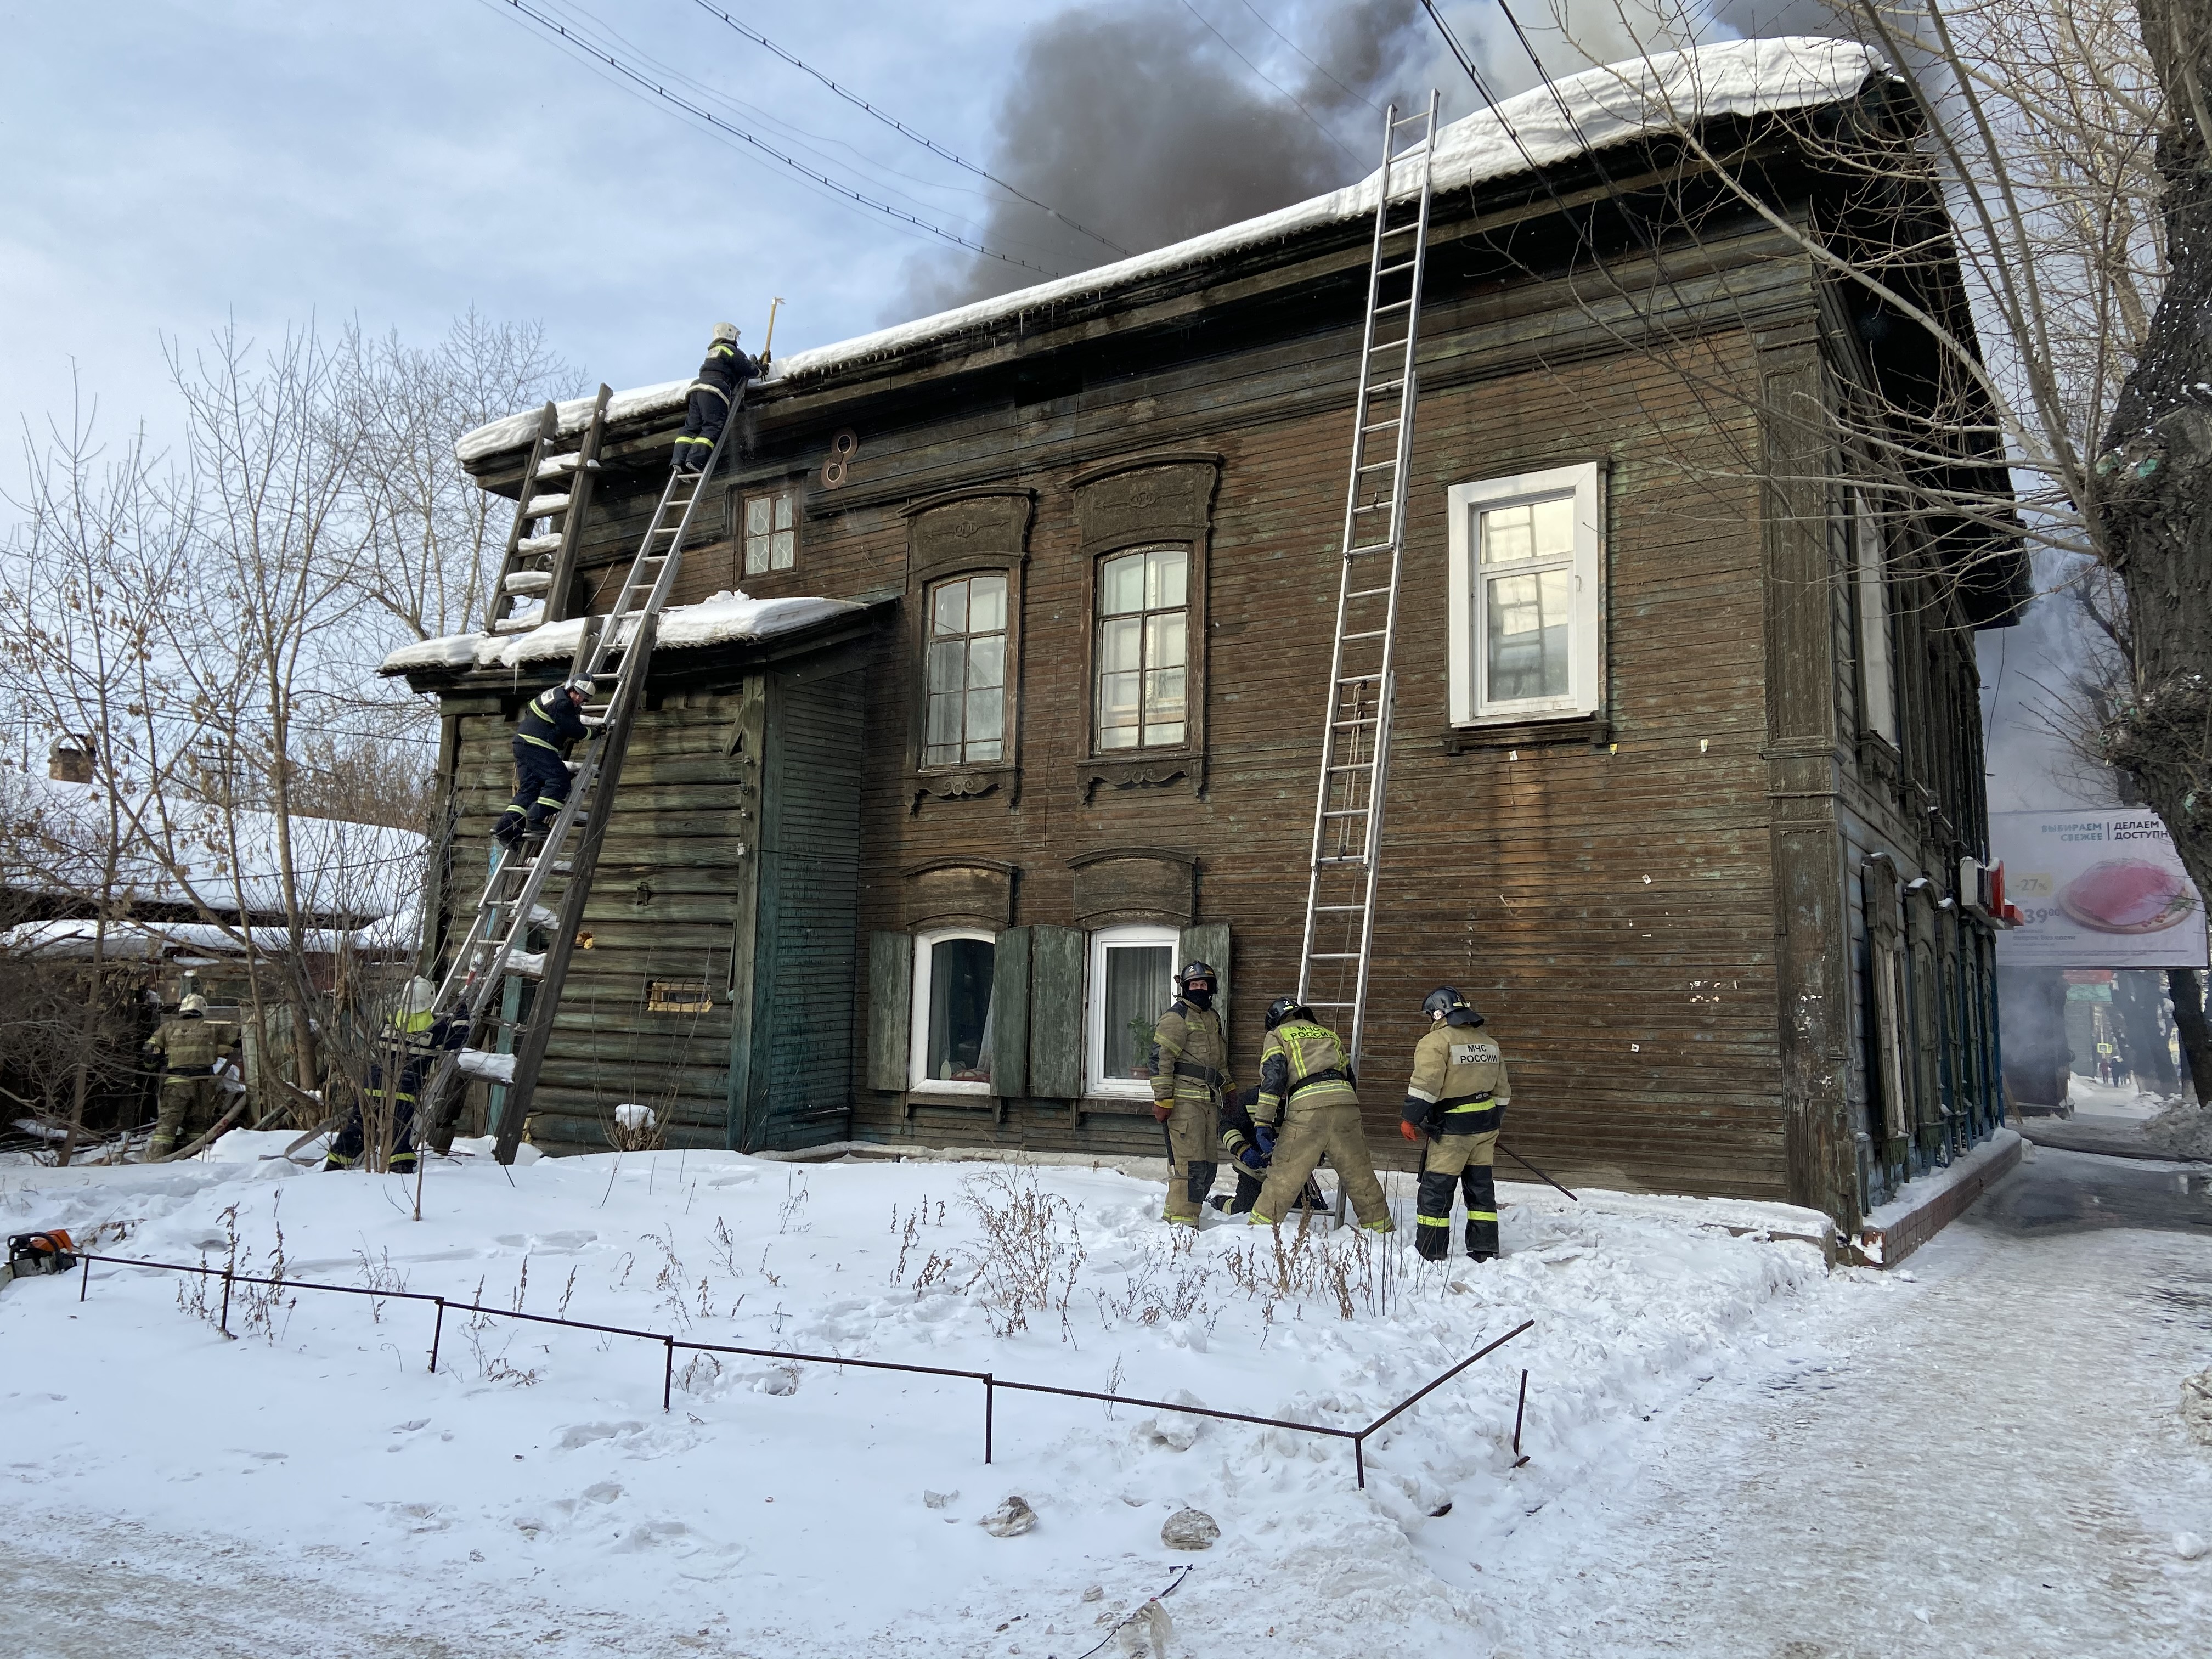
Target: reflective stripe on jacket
{"points": [[191, 1048], [549, 720], [1190, 1054], [1303, 1064], [1459, 1084]]}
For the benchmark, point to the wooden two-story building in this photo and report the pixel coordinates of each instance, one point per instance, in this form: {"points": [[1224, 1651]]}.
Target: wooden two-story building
{"points": [[1012, 695]]}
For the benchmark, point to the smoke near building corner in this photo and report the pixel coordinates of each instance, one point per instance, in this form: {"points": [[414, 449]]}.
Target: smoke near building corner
{"points": [[1139, 121]]}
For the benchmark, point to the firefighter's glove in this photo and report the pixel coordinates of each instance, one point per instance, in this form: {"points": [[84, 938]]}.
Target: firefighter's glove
{"points": [[1408, 1130], [1265, 1135], [1162, 1110], [1252, 1159]]}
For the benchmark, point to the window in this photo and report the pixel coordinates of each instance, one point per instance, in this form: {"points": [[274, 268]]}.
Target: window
{"points": [[1132, 982], [1525, 585], [771, 531], [951, 1033], [1877, 692], [1144, 655], [966, 720]]}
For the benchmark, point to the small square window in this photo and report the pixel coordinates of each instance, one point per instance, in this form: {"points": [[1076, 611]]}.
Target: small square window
{"points": [[1527, 579], [771, 521], [950, 1045]]}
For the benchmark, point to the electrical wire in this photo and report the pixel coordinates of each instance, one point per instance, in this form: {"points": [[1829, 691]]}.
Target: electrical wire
{"points": [[904, 131], [1311, 62], [1262, 73], [571, 38]]}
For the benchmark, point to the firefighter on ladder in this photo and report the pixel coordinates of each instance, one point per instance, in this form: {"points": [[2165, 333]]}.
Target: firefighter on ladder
{"points": [[1455, 1102], [1307, 1107], [714, 394], [1190, 1075], [551, 722], [404, 1054]]}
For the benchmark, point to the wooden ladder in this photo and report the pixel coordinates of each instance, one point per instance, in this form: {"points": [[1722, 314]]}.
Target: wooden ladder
{"points": [[615, 652], [1335, 952], [557, 494]]}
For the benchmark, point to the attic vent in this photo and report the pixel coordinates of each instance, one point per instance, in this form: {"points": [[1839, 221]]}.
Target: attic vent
{"points": [[677, 996]]}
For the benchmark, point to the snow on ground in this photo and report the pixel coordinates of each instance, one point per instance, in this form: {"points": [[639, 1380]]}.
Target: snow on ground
{"points": [[2094, 1099], [776, 1507]]}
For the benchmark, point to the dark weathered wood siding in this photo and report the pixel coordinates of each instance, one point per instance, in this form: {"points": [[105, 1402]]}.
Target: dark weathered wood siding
{"points": [[1654, 908]]}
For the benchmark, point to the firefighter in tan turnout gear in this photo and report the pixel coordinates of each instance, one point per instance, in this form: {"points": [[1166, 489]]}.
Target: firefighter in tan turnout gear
{"points": [[1455, 1101], [1307, 1108], [195, 1053], [1190, 1074]]}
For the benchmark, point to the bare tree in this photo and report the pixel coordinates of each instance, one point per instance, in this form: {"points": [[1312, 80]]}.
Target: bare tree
{"points": [[86, 581]]}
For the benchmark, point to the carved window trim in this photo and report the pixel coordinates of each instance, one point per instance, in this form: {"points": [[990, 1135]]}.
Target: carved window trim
{"points": [[937, 551], [1113, 519]]}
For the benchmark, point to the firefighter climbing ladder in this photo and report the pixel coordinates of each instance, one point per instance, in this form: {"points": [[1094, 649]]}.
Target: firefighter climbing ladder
{"points": [[614, 650], [1355, 750]]}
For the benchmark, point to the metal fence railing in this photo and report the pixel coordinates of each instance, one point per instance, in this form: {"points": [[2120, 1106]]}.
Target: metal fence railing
{"points": [[993, 1383]]}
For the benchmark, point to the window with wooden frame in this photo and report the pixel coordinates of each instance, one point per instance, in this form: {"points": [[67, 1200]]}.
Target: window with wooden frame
{"points": [[1141, 659], [1527, 596], [964, 720], [1131, 983], [950, 1028], [1871, 583], [769, 518]]}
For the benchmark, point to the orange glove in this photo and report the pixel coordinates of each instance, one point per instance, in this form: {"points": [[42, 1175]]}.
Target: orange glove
{"points": [[1162, 1110], [1408, 1130]]}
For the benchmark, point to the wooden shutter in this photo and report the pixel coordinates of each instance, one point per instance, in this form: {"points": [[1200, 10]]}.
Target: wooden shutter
{"points": [[1056, 962], [1208, 945], [890, 1008], [1009, 1013]]}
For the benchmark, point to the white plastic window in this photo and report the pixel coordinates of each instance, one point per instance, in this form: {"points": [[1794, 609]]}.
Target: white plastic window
{"points": [[1143, 649], [771, 531], [967, 671], [950, 1047], [1527, 583], [1132, 982]]}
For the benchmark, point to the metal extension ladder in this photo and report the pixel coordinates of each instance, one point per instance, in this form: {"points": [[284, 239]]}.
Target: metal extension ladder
{"points": [[545, 562], [1355, 750], [615, 651]]}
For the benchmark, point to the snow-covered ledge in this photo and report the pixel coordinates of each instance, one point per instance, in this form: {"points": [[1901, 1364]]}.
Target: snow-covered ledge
{"points": [[1925, 1206], [726, 618]]}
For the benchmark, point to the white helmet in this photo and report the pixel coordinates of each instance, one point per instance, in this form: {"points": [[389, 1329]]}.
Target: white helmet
{"points": [[726, 332], [419, 996], [194, 1004], [581, 686]]}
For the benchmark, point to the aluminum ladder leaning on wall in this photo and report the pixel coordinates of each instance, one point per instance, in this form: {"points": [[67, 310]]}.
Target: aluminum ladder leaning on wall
{"points": [[615, 652], [545, 563], [1355, 752]]}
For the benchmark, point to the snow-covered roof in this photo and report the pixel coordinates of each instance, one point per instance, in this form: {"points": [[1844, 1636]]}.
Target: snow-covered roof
{"points": [[722, 619], [1665, 92], [141, 941], [56, 832]]}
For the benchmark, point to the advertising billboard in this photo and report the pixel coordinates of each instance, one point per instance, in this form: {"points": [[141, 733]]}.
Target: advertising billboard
{"points": [[2096, 890]]}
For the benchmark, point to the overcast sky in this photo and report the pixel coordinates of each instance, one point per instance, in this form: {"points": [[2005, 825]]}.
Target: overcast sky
{"points": [[165, 166]]}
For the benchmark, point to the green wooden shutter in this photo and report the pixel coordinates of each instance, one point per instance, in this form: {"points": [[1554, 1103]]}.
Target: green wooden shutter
{"points": [[1009, 1013], [1056, 1013], [891, 1006]]}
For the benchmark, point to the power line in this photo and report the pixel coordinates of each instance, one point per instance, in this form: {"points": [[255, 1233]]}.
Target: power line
{"points": [[571, 38], [1317, 68], [901, 127], [1262, 73]]}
